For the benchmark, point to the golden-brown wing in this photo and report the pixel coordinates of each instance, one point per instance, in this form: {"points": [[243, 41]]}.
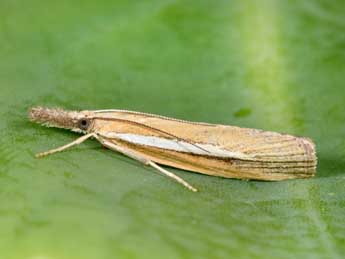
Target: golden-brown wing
{"points": [[226, 151]]}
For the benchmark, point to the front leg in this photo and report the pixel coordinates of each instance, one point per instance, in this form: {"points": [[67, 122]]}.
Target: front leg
{"points": [[74, 143]]}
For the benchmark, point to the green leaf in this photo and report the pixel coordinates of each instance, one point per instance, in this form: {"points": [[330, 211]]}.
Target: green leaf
{"points": [[274, 65]]}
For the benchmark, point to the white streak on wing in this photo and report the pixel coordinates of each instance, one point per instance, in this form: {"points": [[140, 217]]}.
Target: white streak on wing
{"points": [[176, 145]]}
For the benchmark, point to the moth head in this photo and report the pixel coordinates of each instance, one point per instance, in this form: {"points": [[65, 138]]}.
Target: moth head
{"points": [[59, 118]]}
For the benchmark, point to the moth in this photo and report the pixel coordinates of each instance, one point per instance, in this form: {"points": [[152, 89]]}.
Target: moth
{"points": [[212, 149]]}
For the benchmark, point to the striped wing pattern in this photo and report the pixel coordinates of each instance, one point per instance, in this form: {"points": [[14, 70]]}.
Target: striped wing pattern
{"points": [[212, 149]]}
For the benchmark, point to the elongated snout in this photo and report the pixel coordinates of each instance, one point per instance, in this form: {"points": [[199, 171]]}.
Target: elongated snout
{"points": [[53, 117]]}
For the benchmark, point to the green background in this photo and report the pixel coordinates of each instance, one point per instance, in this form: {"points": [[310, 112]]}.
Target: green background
{"points": [[274, 65]]}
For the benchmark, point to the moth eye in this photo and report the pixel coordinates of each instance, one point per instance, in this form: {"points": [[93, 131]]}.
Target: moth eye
{"points": [[83, 124]]}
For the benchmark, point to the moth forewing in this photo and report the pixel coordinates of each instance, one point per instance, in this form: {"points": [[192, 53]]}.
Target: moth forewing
{"points": [[212, 149], [219, 166]]}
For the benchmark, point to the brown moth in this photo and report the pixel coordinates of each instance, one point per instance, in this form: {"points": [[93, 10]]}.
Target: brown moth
{"points": [[211, 149]]}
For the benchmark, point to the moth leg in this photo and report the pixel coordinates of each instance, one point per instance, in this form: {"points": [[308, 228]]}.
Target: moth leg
{"points": [[59, 149], [135, 156], [173, 176]]}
